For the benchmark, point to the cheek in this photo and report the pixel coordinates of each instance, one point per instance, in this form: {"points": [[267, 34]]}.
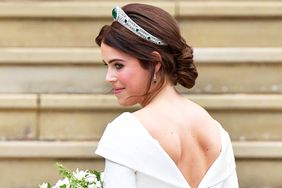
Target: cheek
{"points": [[135, 81], [125, 78]]}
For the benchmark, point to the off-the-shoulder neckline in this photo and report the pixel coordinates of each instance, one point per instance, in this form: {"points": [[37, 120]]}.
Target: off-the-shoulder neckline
{"points": [[167, 155]]}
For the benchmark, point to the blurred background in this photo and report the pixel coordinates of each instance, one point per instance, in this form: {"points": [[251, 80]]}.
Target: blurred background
{"points": [[54, 103]]}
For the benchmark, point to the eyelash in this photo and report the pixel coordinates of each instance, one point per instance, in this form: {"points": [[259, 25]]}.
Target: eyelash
{"points": [[118, 66]]}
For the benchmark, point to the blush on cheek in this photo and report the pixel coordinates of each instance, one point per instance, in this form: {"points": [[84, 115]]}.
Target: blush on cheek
{"points": [[125, 78]]}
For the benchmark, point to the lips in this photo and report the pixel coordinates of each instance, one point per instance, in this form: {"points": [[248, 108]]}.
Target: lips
{"points": [[118, 90]]}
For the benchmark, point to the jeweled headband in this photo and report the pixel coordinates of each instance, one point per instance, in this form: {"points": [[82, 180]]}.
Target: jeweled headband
{"points": [[120, 16]]}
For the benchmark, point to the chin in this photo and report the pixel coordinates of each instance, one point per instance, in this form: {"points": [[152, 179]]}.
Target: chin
{"points": [[127, 102]]}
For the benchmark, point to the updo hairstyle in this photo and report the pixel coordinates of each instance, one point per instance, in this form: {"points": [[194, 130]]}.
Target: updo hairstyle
{"points": [[176, 57]]}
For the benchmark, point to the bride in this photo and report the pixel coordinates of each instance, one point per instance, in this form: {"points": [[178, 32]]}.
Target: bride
{"points": [[171, 142]]}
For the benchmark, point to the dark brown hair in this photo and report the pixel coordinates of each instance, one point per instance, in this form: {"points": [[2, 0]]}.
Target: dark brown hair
{"points": [[177, 57]]}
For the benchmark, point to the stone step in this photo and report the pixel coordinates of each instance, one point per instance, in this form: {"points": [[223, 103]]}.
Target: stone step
{"points": [[48, 149], [255, 160], [86, 149], [203, 23], [136, 1], [84, 117], [79, 70], [57, 9]]}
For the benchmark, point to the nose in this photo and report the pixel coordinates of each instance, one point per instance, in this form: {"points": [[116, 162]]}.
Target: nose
{"points": [[110, 76]]}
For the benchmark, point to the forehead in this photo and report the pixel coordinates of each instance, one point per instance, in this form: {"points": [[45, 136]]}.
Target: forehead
{"points": [[108, 53]]}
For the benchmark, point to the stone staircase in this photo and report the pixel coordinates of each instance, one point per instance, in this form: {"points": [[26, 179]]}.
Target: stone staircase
{"points": [[54, 103]]}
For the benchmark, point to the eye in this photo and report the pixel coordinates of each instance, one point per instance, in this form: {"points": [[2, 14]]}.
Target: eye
{"points": [[118, 66]]}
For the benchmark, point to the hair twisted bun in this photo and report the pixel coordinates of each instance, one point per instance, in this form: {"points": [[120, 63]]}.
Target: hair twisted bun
{"points": [[186, 72]]}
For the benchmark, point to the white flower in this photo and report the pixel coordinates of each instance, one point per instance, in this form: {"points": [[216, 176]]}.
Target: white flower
{"points": [[79, 174], [91, 178], [79, 179], [62, 182], [43, 185], [102, 176], [98, 184]]}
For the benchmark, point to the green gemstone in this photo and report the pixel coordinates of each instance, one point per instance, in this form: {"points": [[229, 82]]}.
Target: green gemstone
{"points": [[149, 38], [114, 13], [137, 30], [125, 21]]}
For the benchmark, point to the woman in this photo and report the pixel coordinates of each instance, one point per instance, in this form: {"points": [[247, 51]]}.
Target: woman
{"points": [[171, 141]]}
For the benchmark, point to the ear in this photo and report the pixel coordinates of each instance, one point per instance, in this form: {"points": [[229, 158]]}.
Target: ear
{"points": [[158, 60]]}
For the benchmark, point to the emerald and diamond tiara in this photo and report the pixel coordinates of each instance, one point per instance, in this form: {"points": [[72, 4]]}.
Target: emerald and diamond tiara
{"points": [[120, 16]]}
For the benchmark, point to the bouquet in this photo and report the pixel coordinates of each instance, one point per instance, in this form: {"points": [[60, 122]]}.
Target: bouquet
{"points": [[77, 179]]}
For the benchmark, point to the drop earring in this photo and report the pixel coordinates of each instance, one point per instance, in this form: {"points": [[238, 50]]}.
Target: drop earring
{"points": [[155, 78]]}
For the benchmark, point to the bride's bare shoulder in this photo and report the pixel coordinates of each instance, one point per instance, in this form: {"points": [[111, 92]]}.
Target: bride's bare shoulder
{"points": [[207, 133]]}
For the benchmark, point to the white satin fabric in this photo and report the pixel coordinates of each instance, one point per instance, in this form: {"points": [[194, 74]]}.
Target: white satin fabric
{"points": [[134, 159]]}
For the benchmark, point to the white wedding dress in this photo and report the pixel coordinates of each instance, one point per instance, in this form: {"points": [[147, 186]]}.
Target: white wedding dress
{"points": [[134, 159]]}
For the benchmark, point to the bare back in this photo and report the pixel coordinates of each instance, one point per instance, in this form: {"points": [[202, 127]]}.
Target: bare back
{"points": [[188, 135]]}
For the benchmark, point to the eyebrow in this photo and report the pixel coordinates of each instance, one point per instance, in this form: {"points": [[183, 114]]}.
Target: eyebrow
{"points": [[113, 60]]}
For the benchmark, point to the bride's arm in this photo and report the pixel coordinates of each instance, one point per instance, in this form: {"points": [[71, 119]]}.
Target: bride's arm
{"points": [[116, 175]]}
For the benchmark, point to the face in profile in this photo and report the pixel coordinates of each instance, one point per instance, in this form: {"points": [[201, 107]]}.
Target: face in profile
{"points": [[128, 79]]}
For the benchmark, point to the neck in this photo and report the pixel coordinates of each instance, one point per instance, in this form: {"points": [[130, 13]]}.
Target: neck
{"points": [[166, 95]]}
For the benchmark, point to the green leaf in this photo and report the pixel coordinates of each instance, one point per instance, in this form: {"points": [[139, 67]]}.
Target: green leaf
{"points": [[63, 171]]}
